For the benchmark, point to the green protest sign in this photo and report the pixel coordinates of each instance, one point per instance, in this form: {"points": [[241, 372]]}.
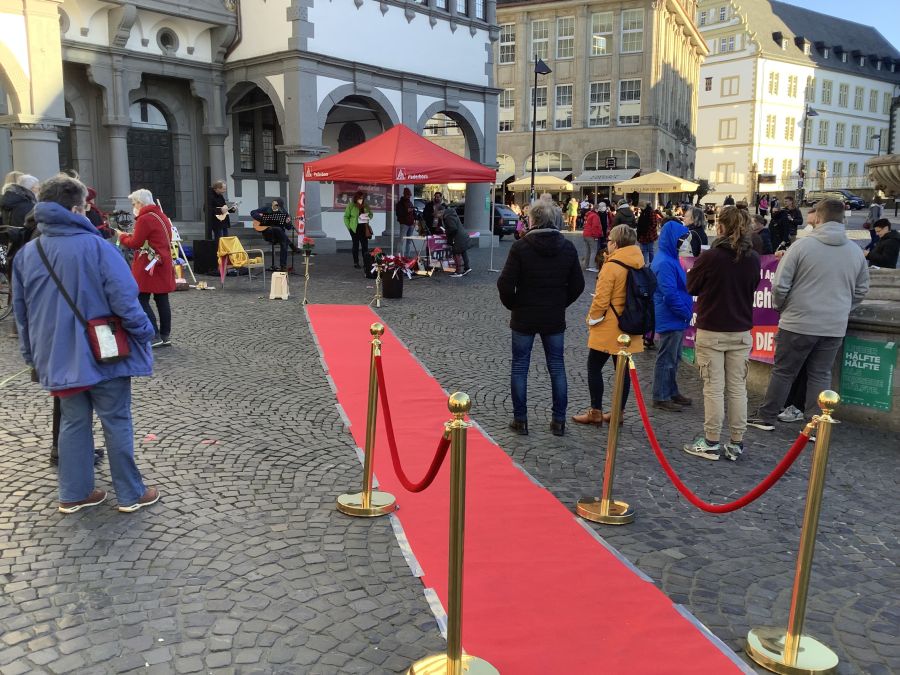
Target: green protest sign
{"points": [[867, 372]]}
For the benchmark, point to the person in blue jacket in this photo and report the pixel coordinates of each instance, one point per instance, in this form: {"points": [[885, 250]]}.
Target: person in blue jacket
{"points": [[674, 307], [55, 344]]}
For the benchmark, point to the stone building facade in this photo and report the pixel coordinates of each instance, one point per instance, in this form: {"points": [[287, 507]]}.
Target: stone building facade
{"points": [[170, 96], [622, 96], [768, 62]]}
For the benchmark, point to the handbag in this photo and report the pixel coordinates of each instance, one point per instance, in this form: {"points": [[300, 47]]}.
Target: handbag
{"points": [[106, 335]]}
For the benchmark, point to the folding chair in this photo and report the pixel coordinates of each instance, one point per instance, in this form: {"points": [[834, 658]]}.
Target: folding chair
{"points": [[231, 252]]}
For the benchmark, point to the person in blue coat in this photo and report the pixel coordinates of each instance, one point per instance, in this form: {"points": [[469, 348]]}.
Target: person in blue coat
{"points": [[674, 307], [55, 344]]}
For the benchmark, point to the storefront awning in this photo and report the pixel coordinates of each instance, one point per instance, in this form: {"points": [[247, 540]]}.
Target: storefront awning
{"points": [[604, 176]]}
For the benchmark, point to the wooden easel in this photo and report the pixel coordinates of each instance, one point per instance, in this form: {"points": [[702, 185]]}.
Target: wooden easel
{"points": [[177, 250]]}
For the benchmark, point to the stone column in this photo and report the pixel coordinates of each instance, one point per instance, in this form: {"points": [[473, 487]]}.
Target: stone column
{"points": [[478, 219], [120, 178], [215, 139], [35, 148]]}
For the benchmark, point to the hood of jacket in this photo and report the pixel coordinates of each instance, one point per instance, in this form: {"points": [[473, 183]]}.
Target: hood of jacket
{"points": [[671, 232], [628, 255], [15, 195], [546, 241], [831, 233], [891, 234], [55, 220]]}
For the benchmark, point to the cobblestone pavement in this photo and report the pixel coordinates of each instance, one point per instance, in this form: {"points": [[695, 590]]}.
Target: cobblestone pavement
{"points": [[246, 567]]}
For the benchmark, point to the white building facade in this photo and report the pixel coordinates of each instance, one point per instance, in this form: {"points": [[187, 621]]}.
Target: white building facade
{"points": [[767, 62], [172, 96]]}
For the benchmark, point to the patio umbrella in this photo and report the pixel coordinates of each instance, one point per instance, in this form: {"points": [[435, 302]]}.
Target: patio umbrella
{"points": [[544, 182], [657, 182]]}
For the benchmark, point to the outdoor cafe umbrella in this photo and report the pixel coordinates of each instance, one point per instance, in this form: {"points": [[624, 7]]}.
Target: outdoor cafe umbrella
{"points": [[543, 182], [657, 182]]}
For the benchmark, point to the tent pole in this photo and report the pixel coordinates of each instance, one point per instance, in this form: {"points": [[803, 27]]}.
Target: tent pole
{"points": [[491, 228], [391, 211]]}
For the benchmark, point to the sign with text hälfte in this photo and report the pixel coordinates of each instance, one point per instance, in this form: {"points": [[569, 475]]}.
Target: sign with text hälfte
{"points": [[867, 372]]}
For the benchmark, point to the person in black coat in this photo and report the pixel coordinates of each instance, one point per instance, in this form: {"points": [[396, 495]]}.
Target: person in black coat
{"points": [[542, 276], [887, 247], [695, 221], [218, 210], [780, 228]]}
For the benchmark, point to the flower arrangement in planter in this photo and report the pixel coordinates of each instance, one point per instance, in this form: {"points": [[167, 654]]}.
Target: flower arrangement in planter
{"points": [[308, 245], [394, 266]]}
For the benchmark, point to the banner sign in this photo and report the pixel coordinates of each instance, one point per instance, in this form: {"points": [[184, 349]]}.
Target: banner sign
{"points": [[301, 214], [867, 372], [765, 318], [378, 197]]}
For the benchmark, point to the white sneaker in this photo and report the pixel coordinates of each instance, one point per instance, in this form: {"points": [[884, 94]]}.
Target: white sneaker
{"points": [[591, 269], [791, 414]]}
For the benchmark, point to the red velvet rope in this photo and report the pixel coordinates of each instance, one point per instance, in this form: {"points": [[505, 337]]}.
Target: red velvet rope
{"points": [[754, 494], [440, 453]]}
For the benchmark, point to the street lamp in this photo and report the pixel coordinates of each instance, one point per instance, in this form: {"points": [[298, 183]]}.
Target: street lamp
{"points": [[807, 113], [878, 136], [540, 68]]}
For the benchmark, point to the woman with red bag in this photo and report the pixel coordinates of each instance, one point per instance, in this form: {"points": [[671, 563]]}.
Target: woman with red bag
{"points": [[152, 266]]}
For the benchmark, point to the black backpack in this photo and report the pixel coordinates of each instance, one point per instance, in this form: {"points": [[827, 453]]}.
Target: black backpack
{"points": [[638, 317]]}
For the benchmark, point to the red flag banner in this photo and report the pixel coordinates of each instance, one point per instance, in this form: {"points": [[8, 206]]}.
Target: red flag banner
{"points": [[301, 213]]}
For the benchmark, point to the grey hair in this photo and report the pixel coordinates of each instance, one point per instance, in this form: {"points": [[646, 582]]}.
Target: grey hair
{"points": [[142, 196], [623, 235], [541, 214], [697, 216], [27, 181], [63, 190]]}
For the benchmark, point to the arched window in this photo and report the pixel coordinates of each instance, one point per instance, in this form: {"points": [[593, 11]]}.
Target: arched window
{"points": [[661, 166], [506, 167], [546, 162], [625, 159], [350, 135], [145, 115]]}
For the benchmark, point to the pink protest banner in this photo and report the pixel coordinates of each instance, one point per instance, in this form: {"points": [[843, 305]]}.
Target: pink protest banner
{"points": [[378, 197], [765, 318]]}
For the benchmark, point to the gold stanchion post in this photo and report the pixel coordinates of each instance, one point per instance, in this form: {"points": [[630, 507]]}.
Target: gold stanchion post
{"points": [[604, 509], [791, 652], [454, 662], [306, 257], [369, 502], [377, 299]]}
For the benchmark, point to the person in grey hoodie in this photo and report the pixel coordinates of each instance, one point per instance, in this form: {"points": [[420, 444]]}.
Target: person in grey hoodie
{"points": [[820, 279]]}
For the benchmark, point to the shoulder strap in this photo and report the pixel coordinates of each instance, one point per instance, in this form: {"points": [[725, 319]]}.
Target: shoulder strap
{"points": [[59, 285], [165, 229], [620, 264]]}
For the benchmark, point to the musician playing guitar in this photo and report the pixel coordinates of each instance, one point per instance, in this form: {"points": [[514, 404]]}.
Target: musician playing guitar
{"points": [[218, 210], [275, 223]]}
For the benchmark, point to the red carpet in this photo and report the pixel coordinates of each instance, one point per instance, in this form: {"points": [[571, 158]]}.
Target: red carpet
{"points": [[541, 595]]}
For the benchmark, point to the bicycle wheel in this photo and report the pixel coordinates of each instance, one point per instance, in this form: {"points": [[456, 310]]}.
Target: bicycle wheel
{"points": [[5, 296]]}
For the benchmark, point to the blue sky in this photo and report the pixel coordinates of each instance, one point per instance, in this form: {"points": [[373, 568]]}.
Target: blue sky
{"points": [[883, 14]]}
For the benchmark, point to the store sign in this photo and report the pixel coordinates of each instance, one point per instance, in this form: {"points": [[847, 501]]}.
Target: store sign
{"points": [[605, 176], [867, 372]]}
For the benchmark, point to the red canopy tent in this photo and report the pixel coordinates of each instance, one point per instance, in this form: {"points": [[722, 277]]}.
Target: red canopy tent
{"points": [[399, 156]]}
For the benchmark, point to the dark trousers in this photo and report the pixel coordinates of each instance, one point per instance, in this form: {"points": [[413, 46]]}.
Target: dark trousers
{"points": [[665, 385], [554, 344], [219, 232], [797, 397], [462, 261], [277, 235], [359, 241], [596, 361], [792, 350], [164, 328]]}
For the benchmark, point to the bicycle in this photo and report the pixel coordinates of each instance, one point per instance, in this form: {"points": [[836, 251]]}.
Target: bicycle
{"points": [[5, 283]]}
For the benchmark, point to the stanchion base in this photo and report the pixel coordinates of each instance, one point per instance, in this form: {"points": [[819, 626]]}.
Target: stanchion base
{"points": [[381, 504], [619, 512], [766, 647], [437, 665]]}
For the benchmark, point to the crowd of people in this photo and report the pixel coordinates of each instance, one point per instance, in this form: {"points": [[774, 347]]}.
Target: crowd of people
{"points": [[820, 278]]}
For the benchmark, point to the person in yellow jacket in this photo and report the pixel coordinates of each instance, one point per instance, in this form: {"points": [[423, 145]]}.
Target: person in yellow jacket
{"points": [[603, 326], [357, 219]]}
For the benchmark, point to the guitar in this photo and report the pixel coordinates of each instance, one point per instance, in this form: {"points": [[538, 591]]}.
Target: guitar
{"points": [[231, 207], [259, 227]]}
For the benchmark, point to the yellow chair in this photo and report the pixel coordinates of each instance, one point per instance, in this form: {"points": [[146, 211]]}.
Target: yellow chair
{"points": [[231, 252]]}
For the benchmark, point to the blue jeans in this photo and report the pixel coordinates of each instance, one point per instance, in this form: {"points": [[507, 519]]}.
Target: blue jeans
{"points": [[667, 358], [112, 402], [648, 250], [521, 360]]}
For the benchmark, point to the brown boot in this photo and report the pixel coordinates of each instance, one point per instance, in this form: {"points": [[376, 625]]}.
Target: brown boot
{"points": [[607, 417], [590, 416]]}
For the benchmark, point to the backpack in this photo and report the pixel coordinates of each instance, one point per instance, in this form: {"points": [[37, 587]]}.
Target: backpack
{"points": [[638, 317]]}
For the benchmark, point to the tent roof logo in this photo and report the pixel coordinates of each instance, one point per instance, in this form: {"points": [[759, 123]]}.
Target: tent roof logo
{"points": [[401, 174], [308, 171]]}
